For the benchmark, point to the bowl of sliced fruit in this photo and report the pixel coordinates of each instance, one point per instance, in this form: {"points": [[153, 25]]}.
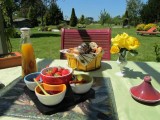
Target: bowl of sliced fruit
{"points": [[55, 93], [56, 75], [81, 83]]}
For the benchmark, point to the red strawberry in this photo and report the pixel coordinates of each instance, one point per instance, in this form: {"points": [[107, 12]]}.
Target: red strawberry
{"points": [[49, 74], [65, 72], [58, 74], [60, 69], [38, 77], [54, 70]]}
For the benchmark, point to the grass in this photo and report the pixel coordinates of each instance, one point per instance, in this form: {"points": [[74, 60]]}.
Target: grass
{"points": [[47, 44]]}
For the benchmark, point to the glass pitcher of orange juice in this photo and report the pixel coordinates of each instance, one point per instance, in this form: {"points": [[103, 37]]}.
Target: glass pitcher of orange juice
{"points": [[28, 56]]}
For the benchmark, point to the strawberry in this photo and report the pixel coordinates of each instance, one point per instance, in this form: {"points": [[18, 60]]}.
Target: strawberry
{"points": [[60, 69], [58, 74], [54, 70], [38, 77], [65, 72], [48, 74]]}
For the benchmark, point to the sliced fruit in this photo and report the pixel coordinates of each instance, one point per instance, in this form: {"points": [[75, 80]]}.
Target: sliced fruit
{"points": [[79, 77]]}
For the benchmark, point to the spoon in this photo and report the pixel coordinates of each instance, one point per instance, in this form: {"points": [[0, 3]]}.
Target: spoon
{"points": [[41, 87]]}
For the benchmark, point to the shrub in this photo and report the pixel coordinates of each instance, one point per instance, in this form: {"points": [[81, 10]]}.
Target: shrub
{"points": [[39, 29], [49, 29], [158, 28], [62, 25], [45, 28], [11, 32], [140, 27], [148, 26], [81, 26], [157, 52]]}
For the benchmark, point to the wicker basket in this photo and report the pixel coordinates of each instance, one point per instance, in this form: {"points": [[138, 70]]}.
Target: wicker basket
{"points": [[74, 63]]}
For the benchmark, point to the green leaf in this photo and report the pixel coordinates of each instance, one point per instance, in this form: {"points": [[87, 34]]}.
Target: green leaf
{"points": [[133, 52]]}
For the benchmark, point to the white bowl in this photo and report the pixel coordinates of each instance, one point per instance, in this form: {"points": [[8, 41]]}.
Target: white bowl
{"points": [[28, 79], [51, 99], [80, 88]]}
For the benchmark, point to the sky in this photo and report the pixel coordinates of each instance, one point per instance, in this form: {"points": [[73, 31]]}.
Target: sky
{"points": [[92, 8]]}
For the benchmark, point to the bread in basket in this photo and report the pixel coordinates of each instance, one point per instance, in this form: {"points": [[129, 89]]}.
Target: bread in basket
{"points": [[85, 57]]}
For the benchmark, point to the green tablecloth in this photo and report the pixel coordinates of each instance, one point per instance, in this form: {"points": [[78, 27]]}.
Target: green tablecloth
{"points": [[127, 107]]}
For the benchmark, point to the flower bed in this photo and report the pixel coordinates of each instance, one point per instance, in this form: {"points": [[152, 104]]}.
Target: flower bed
{"points": [[10, 60]]}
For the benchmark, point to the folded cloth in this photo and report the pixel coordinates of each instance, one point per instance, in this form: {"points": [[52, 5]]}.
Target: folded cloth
{"points": [[84, 59]]}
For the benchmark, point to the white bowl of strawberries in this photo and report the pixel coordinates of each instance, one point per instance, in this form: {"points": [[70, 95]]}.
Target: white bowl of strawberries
{"points": [[56, 75]]}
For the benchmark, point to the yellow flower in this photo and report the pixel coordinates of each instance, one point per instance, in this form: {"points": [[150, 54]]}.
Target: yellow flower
{"points": [[132, 43], [114, 49], [115, 41], [123, 42], [125, 35]]}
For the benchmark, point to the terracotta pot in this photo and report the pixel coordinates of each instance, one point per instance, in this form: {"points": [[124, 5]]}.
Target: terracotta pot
{"points": [[10, 60]]}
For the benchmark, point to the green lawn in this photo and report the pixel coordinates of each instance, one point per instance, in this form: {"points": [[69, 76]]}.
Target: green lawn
{"points": [[47, 44]]}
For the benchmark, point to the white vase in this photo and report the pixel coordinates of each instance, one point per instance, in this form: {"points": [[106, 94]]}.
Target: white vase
{"points": [[122, 62]]}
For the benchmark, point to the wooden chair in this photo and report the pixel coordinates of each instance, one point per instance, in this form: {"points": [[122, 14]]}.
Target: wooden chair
{"points": [[73, 37]]}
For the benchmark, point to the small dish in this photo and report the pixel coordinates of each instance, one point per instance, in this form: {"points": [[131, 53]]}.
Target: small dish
{"points": [[81, 87], [57, 93], [145, 92], [28, 79]]}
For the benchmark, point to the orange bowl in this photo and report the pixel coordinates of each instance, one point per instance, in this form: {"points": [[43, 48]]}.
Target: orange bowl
{"points": [[56, 80]]}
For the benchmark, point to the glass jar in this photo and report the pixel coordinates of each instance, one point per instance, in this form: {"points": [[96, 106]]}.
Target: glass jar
{"points": [[28, 56]]}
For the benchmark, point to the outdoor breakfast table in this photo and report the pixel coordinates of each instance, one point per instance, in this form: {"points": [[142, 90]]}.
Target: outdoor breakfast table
{"points": [[122, 106]]}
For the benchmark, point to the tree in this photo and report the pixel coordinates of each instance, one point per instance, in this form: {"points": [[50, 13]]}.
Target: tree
{"points": [[89, 20], [38, 5], [117, 20], [151, 11], [82, 19], [44, 9], [104, 17], [73, 19], [9, 7], [145, 14], [126, 19], [3, 40], [134, 7], [56, 14], [32, 16], [53, 15], [48, 18]]}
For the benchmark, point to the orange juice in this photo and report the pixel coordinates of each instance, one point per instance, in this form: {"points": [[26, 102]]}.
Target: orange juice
{"points": [[28, 59]]}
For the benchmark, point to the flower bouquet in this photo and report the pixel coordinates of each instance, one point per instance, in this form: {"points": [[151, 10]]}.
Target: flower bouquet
{"points": [[123, 44]]}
